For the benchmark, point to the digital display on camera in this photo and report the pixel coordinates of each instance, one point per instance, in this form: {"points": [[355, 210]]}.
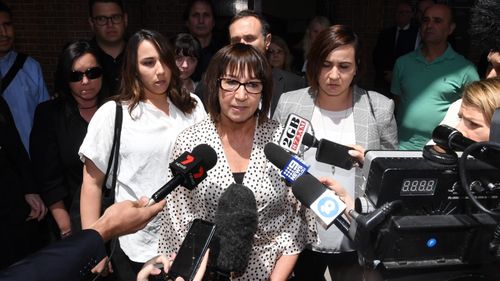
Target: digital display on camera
{"points": [[418, 186]]}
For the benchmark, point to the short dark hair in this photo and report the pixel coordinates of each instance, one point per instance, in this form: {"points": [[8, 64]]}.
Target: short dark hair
{"points": [[186, 44], [5, 8], [187, 10], [327, 41], [266, 28], [238, 57], [132, 88], [69, 55], [117, 2]]}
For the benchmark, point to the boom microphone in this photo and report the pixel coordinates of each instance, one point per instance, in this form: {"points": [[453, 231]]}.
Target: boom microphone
{"points": [[236, 221], [307, 189], [450, 138], [188, 170]]}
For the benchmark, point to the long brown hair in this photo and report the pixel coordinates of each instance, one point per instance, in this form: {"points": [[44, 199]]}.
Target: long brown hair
{"points": [[132, 88]]}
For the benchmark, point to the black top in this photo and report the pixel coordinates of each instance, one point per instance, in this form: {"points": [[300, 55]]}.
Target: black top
{"points": [[238, 177], [16, 176], [218, 41], [111, 66], [387, 51], [58, 131]]}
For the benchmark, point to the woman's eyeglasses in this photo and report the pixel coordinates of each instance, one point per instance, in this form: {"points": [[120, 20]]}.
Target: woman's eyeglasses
{"points": [[91, 73], [231, 85]]}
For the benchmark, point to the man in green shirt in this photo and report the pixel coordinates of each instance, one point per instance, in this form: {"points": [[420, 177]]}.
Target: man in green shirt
{"points": [[429, 79]]}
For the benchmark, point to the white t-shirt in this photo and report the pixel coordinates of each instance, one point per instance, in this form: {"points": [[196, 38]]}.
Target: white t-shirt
{"points": [[336, 126], [146, 142]]}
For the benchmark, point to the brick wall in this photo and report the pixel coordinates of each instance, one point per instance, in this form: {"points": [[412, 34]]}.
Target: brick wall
{"points": [[43, 27]]}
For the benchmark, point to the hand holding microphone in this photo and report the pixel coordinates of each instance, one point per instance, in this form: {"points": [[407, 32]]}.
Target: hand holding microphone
{"points": [[307, 189], [188, 170], [340, 192]]}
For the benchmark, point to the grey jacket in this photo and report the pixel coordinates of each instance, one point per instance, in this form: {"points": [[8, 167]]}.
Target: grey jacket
{"points": [[374, 124]]}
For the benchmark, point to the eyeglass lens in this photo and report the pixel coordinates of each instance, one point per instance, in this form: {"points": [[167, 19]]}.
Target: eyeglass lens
{"points": [[91, 73], [231, 85], [103, 20]]}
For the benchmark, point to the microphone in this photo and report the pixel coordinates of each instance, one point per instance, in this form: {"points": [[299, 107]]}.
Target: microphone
{"points": [[293, 133], [291, 166], [236, 220], [307, 189], [321, 200], [330, 152], [310, 141], [188, 170], [450, 138]]}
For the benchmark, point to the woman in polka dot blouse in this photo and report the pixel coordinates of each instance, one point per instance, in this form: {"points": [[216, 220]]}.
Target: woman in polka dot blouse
{"points": [[238, 87]]}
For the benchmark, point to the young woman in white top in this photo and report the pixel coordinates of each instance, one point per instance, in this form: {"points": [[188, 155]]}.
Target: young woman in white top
{"points": [[155, 110]]}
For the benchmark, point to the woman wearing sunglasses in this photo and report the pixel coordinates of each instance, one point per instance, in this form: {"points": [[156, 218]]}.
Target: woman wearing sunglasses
{"points": [[58, 131], [155, 110]]}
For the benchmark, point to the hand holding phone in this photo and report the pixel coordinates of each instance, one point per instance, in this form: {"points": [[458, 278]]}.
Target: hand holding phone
{"points": [[334, 154], [192, 250]]}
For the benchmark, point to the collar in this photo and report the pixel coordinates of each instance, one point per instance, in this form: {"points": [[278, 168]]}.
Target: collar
{"points": [[406, 27], [11, 55], [449, 54]]}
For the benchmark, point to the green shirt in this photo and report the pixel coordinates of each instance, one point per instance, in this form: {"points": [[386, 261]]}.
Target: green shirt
{"points": [[426, 90]]}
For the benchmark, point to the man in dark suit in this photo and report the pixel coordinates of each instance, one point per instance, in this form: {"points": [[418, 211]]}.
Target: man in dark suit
{"points": [[392, 43], [22, 209], [74, 257], [250, 28]]}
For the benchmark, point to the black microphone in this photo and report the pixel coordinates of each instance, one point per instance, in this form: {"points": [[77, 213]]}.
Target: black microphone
{"points": [[310, 141], [307, 189], [451, 139], [321, 200], [236, 220], [330, 152], [188, 170]]}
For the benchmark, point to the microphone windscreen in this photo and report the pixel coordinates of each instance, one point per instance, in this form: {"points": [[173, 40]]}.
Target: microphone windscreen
{"points": [[236, 220], [207, 154], [307, 189], [276, 155]]}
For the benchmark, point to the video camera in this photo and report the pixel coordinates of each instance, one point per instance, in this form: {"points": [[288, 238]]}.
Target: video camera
{"points": [[425, 219]]}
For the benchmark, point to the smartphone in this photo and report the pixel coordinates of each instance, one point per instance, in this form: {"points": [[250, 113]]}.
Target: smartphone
{"points": [[192, 250], [334, 154]]}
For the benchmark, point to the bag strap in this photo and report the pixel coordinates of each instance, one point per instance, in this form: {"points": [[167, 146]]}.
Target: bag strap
{"points": [[13, 70], [115, 150]]}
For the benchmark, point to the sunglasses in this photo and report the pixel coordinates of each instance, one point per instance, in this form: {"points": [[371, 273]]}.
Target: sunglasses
{"points": [[91, 73]]}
